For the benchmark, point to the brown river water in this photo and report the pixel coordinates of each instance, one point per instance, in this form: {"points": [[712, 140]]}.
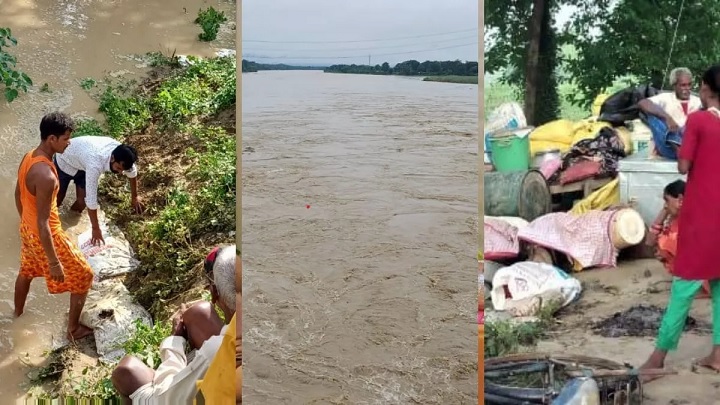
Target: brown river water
{"points": [[61, 42], [359, 239]]}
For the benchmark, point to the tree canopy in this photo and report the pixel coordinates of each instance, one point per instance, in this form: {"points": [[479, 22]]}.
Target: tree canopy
{"points": [[606, 41]]}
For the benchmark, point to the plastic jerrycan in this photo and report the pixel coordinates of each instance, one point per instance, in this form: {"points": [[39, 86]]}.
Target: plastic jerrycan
{"points": [[579, 391]]}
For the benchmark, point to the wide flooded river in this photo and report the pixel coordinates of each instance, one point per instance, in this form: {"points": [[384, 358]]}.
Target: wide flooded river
{"points": [[359, 239], [61, 42]]}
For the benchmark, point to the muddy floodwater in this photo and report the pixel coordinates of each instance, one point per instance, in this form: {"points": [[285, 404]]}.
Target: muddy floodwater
{"points": [[61, 42], [359, 239]]}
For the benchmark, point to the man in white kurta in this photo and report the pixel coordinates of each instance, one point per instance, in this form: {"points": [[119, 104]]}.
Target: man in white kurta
{"points": [[83, 162], [667, 113]]}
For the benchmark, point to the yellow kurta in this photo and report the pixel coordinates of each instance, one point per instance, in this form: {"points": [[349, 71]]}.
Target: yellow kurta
{"points": [[218, 385]]}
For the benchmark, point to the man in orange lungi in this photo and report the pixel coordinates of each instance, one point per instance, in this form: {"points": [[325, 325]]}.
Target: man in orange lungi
{"points": [[46, 250]]}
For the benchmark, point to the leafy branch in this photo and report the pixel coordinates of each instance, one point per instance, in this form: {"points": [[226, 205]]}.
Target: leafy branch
{"points": [[13, 79]]}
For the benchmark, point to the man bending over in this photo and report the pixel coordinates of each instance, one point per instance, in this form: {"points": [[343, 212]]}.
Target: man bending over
{"points": [[83, 162]]}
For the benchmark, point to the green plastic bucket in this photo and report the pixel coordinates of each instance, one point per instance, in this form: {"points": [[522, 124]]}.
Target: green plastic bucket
{"points": [[510, 150]]}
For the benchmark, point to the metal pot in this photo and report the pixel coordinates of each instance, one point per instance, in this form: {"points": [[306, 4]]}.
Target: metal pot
{"points": [[541, 157]]}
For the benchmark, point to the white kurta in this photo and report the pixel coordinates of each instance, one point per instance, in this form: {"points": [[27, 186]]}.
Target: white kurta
{"points": [[673, 107], [175, 381]]}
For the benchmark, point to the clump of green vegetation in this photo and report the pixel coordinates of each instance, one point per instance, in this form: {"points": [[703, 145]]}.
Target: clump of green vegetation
{"points": [[506, 337], [87, 83], [45, 88], [217, 172], [157, 59], [203, 89], [14, 80], [145, 342], [93, 383], [125, 113], [88, 126], [210, 21]]}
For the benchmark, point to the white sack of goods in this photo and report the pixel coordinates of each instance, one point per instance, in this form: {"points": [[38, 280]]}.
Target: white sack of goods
{"points": [[113, 258], [525, 288]]}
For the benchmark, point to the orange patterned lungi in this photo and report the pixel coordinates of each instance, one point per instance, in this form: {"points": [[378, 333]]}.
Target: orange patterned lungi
{"points": [[34, 262]]}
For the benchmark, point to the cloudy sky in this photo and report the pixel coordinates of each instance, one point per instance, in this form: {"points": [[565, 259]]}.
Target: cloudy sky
{"points": [[322, 32]]}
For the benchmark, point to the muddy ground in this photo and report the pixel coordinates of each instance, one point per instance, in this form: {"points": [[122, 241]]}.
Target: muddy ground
{"points": [[608, 291]]}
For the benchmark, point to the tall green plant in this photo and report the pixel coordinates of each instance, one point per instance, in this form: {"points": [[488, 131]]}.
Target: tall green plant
{"points": [[210, 21], [13, 79]]}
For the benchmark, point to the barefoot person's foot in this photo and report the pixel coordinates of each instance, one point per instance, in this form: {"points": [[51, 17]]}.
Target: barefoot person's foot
{"points": [[655, 362], [709, 364], [77, 207], [80, 332]]}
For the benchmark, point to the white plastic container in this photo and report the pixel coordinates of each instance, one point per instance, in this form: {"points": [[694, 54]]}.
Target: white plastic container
{"points": [[642, 182]]}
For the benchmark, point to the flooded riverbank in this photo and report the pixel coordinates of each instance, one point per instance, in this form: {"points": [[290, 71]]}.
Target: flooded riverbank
{"points": [[61, 43], [359, 237]]}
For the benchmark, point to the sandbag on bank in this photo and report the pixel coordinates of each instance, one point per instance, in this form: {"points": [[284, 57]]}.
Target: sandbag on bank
{"points": [[111, 312], [112, 259], [525, 288], [109, 309]]}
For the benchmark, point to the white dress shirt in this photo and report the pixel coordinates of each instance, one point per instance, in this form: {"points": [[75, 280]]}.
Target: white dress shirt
{"points": [[90, 154]]}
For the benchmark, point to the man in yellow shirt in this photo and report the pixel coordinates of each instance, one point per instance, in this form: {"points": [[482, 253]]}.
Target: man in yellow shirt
{"points": [[238, 339], [217, 386]]}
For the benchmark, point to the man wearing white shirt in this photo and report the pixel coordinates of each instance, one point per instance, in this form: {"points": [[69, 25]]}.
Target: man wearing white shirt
{"points": [[667, 112], [175, 380], [84, 162]]}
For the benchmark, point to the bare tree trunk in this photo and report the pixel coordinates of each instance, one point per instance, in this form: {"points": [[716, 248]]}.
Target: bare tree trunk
{"points": [[531, 69]]}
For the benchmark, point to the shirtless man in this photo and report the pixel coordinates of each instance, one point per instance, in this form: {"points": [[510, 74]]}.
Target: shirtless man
{"points": [[667, 112], [46, 250]]}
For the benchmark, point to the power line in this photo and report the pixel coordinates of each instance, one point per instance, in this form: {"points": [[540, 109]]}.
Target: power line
{"points": [[359, 56], [357, 41], [361, 49]]}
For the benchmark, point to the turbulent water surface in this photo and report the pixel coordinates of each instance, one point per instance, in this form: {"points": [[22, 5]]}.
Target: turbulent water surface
{"points": [[359, 237]]}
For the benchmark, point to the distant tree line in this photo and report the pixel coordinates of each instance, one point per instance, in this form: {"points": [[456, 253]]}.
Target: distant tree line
{"points": [[411, 68], [250, 66]]}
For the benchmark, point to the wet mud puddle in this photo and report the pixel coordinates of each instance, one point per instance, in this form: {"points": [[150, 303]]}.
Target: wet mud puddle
{"points": [[639, 321], [60, 43]]}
